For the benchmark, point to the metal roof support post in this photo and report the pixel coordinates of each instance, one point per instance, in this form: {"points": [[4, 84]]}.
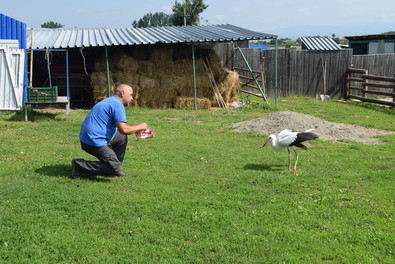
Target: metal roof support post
{"points": [[67, 85], [108, 73], [276, 76], [25, 79], [194, 77]]}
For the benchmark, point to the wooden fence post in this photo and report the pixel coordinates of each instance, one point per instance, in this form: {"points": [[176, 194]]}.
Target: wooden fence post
{"points": [[348, 83], [364, 87], [393, 91]]}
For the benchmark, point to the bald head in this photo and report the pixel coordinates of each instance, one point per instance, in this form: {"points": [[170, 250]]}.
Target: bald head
{"points": [[124, 93], [121, 88]]}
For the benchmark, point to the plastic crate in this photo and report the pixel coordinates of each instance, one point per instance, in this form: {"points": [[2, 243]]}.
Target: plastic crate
{"points": [[42, 94]]}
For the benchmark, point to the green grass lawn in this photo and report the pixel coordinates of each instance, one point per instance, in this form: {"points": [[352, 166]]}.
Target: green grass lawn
{"points": [[199, 192]]}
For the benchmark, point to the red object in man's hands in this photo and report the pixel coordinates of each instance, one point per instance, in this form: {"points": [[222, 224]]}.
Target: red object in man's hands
{"points": [[146, 133]]}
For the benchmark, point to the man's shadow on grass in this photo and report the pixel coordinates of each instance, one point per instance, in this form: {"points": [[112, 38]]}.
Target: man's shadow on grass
{"points": [[62, 170], [263, 167]]}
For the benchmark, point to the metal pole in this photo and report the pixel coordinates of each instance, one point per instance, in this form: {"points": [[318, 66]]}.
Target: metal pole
{"points": [[31, 59], [108, 73], [276, 75], [194, 77], [67, 85]]}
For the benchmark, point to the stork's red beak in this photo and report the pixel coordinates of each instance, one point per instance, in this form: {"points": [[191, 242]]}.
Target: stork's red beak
{"points": [[264, 144]]}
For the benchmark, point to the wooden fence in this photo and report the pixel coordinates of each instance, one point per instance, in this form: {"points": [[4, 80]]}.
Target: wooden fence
{"points": [[380, 64], [308, 73], [300, 72], [360, 85], [305, 72]]}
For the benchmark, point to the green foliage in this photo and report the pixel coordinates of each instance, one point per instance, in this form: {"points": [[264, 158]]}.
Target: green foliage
{"points": [[51, 24], [193, 9], [337, 40], [199, 192], [290, 44], [154, 20]]}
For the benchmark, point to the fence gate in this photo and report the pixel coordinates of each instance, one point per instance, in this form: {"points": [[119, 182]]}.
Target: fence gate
{"points": [[12, 63]]}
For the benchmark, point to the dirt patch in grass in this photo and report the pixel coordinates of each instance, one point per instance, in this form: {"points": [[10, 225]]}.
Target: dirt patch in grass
{"points": [[278, 121]]}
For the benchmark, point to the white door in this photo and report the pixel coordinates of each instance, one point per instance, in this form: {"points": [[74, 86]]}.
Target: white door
{"points": [[12, 63]]}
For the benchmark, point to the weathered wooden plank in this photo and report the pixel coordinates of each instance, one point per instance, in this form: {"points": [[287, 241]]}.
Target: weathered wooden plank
{"points": [[378, 85], [378, 78], [379, 93], [363, 99]]}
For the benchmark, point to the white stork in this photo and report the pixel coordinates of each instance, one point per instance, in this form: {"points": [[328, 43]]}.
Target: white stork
{"points": [[290, 139]]}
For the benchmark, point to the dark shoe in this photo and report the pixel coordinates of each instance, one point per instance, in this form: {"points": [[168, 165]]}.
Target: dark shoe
{"points": [[75, 170]]}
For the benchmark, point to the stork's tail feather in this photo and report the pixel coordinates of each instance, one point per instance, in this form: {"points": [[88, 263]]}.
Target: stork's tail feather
{"points": [[307, 136], [300, 145]]}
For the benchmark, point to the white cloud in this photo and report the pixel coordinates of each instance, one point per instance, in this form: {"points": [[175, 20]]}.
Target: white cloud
{"points": [[167, 9], [237, 9]]}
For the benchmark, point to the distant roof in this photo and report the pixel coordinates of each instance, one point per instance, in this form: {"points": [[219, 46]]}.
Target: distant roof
{"points": [[319, 43], [13, 29], [371, 37], [96, 37], [262, 47]]}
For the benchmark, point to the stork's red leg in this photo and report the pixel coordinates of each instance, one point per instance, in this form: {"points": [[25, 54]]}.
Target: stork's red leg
{"points": [[296, 161]]}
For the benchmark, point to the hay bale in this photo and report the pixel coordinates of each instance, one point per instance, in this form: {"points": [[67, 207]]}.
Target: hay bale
{"points": [[146, 68], [130, 65], [148, 83], [230, 87], [99, 85], [162, 74], [162, 53], [189, 103]]}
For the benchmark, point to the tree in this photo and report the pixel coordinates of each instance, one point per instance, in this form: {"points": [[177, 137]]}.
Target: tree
{"points": [[158, 19], [188, 13], [289, 44], [189, 10], [337, 40], [51, 24]]}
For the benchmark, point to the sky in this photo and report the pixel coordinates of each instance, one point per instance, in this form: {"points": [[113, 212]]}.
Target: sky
{"points": [[285, 18]]}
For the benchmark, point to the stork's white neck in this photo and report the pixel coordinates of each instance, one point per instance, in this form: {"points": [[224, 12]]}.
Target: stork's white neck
{"points": [[275, 145]]}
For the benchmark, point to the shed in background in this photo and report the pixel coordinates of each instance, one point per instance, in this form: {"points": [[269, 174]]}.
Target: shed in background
{"points": [[319, 43], [13, 71], [11, 29], [148, 58], [372, 44]]}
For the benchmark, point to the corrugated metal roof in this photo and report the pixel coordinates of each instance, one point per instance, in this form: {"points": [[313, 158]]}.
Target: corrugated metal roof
{"points": [[96, 37], [371, 37], [323, 43], [13, 29]]}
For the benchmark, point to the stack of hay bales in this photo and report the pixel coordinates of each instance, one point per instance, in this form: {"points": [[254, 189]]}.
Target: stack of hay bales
{"points": [[162, 76]]}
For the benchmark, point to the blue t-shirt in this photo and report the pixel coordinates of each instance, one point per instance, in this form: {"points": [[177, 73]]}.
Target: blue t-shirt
{"points": [[99, 126]]}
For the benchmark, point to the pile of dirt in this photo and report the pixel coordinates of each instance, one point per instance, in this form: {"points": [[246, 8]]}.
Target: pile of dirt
{"points": [[162, 74], [276, 122]]}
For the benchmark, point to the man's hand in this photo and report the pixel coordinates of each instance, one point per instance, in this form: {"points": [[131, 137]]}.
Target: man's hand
{"points": [[125, 129]]}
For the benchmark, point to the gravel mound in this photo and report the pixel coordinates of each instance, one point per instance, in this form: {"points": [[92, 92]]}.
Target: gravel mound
{"points": [[278, 121]]}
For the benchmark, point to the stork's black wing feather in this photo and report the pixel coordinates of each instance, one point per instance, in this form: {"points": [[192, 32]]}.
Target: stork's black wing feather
{"points": [[300, 145], [301, 137]]}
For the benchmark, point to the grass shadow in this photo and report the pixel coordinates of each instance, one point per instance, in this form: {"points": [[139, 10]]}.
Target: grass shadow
{"points": [[376, 107], [262, 167], [63, 170], [33, 116]]}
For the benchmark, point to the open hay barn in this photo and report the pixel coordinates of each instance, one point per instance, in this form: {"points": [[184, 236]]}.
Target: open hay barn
{"points": [[161, 76], [168, 67]]}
